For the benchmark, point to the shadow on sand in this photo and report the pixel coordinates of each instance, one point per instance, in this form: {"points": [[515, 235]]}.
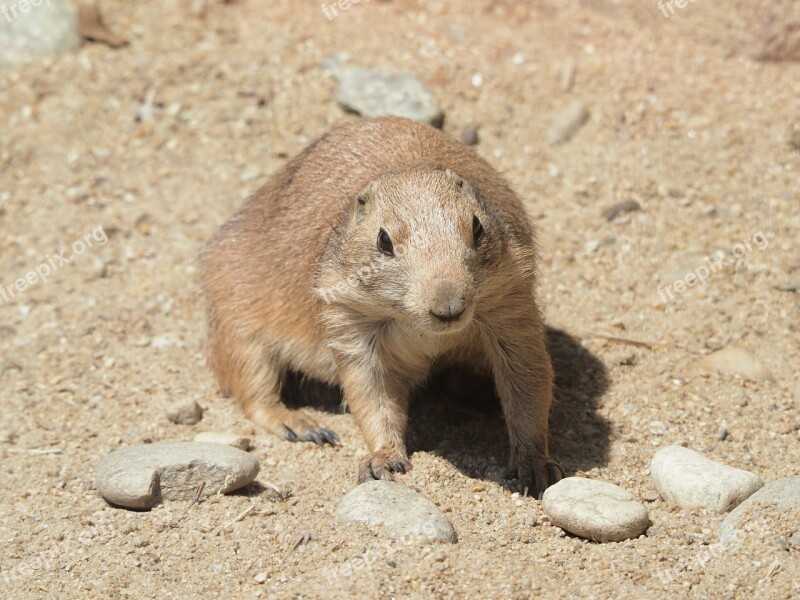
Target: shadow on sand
{"points": [[458, 416]]}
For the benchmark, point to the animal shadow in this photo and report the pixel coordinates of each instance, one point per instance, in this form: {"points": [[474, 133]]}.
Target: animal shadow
{"points": [[458, 416]]}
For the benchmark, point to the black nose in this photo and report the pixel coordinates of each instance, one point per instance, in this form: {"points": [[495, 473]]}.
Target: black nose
{"points": [[451, 316]]}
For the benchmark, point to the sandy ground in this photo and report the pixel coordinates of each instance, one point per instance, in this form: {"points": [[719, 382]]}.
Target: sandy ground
{"points": [[683, 121]]}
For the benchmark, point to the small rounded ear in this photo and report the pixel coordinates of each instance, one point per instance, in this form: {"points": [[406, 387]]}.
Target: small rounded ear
{"points": [[455, 178], [362, 201]]}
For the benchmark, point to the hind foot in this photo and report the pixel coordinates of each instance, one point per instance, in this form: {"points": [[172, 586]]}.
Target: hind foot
{"points": [[295, 426]]}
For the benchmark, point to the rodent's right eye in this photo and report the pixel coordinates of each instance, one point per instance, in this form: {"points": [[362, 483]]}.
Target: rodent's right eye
{"points": [[477, 229], [385, 243]]}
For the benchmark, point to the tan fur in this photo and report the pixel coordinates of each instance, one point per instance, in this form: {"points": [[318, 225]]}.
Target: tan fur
{"points": [[295, 281]]}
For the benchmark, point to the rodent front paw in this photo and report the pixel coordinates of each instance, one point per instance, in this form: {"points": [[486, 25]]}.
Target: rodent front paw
{"points": [[537, 473], [381, 465]]}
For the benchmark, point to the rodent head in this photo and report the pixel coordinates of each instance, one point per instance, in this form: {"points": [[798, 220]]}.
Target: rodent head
{"points": [[417, 246]]}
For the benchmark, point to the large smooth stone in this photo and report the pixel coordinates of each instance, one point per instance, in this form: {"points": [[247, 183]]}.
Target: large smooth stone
{"points": [[595, 510], [380, 93], [773, 508], [402, 512], [51, 27], [142, 476], [690, 480]]}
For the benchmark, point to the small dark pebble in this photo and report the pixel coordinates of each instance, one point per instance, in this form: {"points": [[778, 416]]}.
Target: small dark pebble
{"points": [[612, 212], [470, 136], [791, 286], [723, 434]]}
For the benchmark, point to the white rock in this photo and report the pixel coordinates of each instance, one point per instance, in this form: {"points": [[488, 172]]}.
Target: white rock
{"points": [[567, 123], [402, 512], [595, 510], [187, 413], [752, 516], [229, 439], [734, 361], [142, 476], [49, 27], [690, 480]]}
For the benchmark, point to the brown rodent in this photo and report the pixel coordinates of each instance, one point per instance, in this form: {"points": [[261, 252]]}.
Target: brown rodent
{"points": [[384, 250]]}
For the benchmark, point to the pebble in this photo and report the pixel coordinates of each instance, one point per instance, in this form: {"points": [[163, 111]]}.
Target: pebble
{"points": [[613, 211], [379, 92], [794, 136], [188, 413], [567, 123], [140, 477], [591, 246], [735, 361], [690, 480], [470, 136], [9, 365], [402, 512], [49, 28], [784, 494], [595, 510], [229, 439]]}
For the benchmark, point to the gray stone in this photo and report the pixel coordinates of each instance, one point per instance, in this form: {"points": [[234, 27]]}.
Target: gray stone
{"points": [[690, 480], [470, 136], [380, 93], [49, 28], [595, 510], [142, 476], [615, 210], [188, 413], [567, 123], [783, 494], [402, 512]]}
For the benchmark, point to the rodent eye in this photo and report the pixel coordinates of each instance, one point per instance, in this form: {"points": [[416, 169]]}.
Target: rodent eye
{"points": [[385, 243], [477, 229]]}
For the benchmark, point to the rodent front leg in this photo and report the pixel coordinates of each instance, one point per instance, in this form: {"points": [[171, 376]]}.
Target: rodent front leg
{"points": [[524, 380], [379, 403]]}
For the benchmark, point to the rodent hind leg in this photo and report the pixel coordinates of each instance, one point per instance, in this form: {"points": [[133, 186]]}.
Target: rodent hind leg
{"points": [[254, 379], [380, 407]]}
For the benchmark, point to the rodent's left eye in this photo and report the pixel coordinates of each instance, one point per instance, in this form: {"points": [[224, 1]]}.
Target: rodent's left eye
{"points": [[477, 229], [385, 243]]}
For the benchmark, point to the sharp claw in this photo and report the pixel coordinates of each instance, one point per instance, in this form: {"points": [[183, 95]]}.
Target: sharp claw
{"points": [[315, 437], [330, 437], [290, 434]]}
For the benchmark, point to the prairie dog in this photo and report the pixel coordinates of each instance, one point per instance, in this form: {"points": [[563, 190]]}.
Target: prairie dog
{"points": [[384, 250]]}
